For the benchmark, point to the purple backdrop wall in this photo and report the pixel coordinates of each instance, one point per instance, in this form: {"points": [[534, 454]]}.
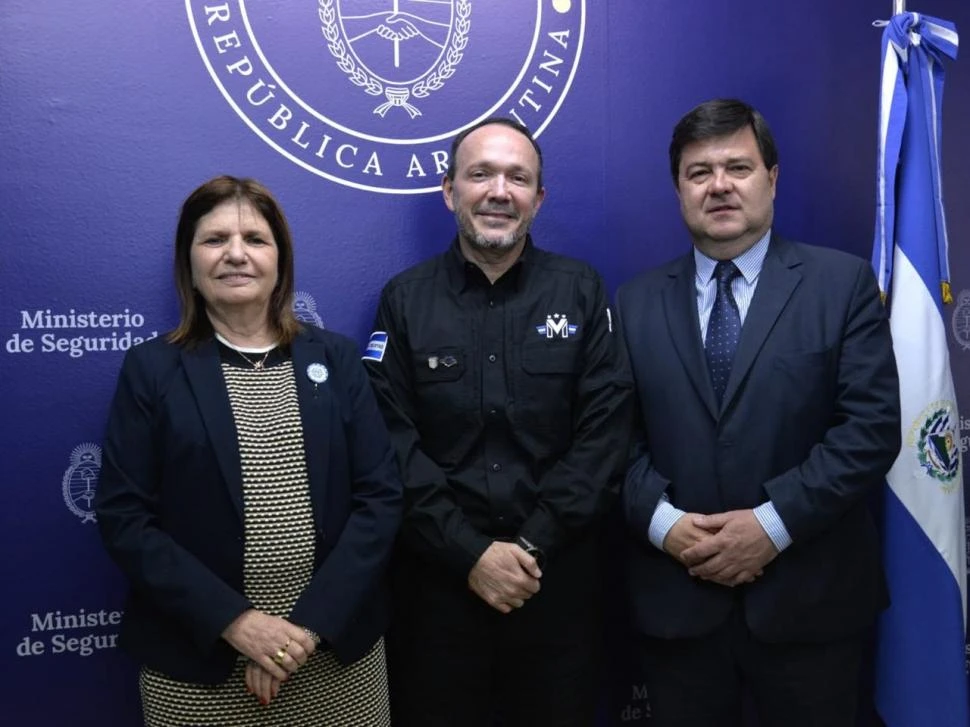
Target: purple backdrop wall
{"points": [[112, 112]]}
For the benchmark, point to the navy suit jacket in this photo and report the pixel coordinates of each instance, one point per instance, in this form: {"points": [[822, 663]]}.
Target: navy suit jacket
{"points": [[170, 504], [809, 420]]}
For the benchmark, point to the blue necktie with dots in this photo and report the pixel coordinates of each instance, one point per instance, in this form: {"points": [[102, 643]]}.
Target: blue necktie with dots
{"points": [[723, 329]]}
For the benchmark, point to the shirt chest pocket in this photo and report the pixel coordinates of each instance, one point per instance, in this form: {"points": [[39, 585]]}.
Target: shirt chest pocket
{"points": [[547, 382], [442, 382], [548, 359]]}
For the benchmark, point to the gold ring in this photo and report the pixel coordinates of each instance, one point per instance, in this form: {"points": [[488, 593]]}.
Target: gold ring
{"points": [[280, 657]]}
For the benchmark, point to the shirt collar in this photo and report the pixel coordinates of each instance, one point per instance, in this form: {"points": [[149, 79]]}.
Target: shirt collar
{"points": [[749, 262], [462, 273]]}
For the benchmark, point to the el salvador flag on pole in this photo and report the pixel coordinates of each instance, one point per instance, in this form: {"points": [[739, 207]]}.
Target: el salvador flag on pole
{"points": [[920, 676]]}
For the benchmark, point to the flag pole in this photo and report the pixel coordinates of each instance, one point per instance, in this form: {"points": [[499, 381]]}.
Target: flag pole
{"points": [[899, 6]]}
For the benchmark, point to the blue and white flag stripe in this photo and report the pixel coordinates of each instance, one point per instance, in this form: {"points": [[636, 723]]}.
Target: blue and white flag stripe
{"points": [[920, 673]]}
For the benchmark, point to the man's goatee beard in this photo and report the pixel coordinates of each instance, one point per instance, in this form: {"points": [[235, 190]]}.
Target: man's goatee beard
{"points": [[503, 243]]}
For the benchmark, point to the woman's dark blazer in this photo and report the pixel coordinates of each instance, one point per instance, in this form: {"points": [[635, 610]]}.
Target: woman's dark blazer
{"points": [[170, 506]]}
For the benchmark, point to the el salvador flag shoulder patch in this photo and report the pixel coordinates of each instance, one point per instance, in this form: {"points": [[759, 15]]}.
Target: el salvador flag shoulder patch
{"points": [[375, 347]]}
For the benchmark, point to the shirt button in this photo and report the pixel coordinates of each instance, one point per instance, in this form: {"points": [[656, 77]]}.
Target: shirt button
{"points": [[491, 304], [492, 358], [496, 467], [492, 412]]}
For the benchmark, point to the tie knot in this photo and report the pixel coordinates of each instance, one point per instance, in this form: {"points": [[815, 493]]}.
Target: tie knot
{"points": [[725, 271]]}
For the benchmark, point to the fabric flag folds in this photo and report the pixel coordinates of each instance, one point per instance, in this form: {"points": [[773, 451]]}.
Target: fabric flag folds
{"points": [[920, 673]]}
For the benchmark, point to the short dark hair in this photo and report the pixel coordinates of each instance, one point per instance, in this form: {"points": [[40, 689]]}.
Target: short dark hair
{"points": [[194, 326], [720, 117], [503, 121]]}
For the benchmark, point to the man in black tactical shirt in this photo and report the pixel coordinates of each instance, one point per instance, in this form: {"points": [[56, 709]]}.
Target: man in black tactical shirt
{"points": [[508, 397]]}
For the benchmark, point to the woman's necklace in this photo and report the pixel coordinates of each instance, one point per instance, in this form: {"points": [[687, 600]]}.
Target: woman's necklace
{"points": [[257, 364]]}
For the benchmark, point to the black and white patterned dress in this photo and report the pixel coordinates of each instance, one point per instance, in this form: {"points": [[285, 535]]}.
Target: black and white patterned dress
{"points": [[278, 565]]}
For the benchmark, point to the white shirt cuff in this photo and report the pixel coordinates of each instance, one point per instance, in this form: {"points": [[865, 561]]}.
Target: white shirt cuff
{"points": [[664, 518], [771, 522]]}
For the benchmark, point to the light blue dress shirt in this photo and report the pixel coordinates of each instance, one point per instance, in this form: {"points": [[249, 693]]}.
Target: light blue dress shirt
{"points": [[742, 288]]}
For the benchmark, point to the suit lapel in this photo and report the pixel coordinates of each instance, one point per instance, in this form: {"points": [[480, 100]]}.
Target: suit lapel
{"points": [[316, 401], [680, 305], [203, 369], [777, 281]]}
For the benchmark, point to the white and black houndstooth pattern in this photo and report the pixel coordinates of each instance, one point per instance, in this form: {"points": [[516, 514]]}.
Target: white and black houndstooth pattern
{"points": [[278, 566]]}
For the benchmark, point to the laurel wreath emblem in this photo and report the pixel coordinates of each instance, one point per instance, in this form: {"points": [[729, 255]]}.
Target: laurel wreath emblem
{"points": [[359, 75]]}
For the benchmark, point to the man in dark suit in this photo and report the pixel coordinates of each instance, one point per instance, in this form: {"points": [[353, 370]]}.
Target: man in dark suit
{"points": [[769, 408]]}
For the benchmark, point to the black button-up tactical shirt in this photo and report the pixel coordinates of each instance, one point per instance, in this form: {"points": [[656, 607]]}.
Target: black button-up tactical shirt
{"points": [[510, 404]]}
